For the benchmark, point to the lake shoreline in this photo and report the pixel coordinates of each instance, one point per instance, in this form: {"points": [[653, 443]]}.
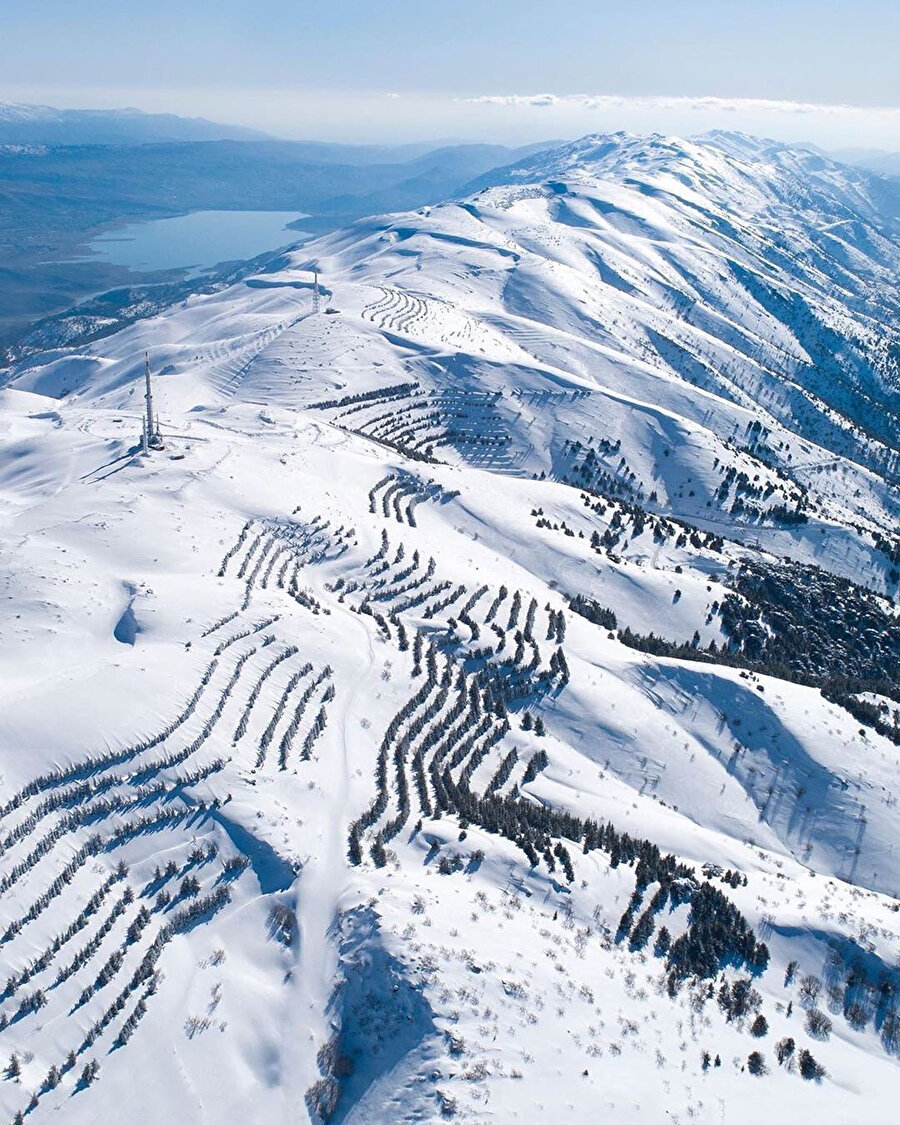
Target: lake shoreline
{"points": [[94, 317], [42, 284], [193, 242]]}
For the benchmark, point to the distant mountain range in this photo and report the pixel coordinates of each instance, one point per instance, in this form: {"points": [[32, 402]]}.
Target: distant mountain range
{"points": [[885, 163], [872, 159], [44, 124], [22, 124]]}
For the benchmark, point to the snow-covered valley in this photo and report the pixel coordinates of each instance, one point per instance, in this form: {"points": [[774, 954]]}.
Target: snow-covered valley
{"points": [[486, 705]]}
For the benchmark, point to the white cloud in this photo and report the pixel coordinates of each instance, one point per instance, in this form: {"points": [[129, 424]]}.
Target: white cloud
{"points": [[695, 104], [515, 99]]}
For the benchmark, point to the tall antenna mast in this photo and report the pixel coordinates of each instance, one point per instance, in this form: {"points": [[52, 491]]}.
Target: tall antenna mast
{"points": [[148, 396], [316, 291], [151, 437]]}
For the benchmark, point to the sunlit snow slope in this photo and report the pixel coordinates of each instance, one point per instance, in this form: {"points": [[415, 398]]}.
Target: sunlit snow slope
{"points": [[486, 706]]}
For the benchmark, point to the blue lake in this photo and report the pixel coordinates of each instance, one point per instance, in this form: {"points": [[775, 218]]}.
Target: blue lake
{"points": [[198, 241]]}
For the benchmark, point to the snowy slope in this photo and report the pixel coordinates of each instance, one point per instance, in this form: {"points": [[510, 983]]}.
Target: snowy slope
{"points": [[497, 667]]}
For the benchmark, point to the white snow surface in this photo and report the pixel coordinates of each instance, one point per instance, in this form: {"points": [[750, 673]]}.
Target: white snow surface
{"points": [[203, 650]]}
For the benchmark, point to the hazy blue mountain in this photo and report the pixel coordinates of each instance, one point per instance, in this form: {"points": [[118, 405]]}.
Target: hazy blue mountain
{"points": [[44, 124], [885, 163]]}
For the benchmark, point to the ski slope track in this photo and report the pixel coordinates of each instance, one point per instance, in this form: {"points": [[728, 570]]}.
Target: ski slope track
{"points": [[487, 705]]}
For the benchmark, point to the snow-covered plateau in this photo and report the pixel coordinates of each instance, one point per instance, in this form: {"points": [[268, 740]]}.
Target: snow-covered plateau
{"points": [[487, 704]]}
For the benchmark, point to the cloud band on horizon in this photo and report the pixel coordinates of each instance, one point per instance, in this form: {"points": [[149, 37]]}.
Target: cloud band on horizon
{"points": [[705, 103]]}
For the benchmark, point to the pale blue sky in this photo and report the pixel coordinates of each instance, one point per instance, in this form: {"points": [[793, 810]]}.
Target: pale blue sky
{"points": [[327, 68]]}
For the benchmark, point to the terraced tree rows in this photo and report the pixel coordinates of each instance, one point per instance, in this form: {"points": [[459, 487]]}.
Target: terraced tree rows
{"points": [[396, 310], [114, 920], [399, 493], [428, 317], [419, 423], [275, 550], [449, 751], [506, 656], [453, 726]]}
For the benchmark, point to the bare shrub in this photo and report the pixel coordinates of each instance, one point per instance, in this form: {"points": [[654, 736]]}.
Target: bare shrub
{"points": [[818, 1024]]}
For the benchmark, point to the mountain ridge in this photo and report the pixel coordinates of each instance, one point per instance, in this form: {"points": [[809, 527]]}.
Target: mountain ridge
{"points": [[22, 123], [488, 696]]}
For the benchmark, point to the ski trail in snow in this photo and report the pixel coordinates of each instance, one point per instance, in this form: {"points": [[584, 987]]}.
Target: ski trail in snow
{"points": [[323, 887]]}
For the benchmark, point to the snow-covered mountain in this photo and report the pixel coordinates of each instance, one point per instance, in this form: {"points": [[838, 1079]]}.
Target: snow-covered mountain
{"points": [[487, 703]]}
